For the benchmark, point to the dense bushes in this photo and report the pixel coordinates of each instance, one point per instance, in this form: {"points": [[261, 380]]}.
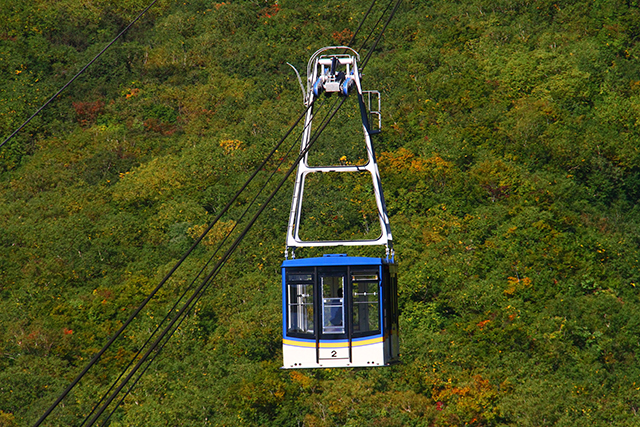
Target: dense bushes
{"points": [[509, 159]]}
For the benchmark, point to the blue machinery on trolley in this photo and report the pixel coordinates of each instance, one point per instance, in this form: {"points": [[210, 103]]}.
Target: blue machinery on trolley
{"points": [[339, 310]]}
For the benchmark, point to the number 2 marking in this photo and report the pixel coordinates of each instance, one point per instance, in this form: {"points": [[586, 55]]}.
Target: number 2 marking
{"points": [[334, 353]]}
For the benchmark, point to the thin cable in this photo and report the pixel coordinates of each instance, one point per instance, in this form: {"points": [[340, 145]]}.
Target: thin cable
{"points": [[78, 74], [97, 356], [239, 239], [236, 242], [393, 12], [215, 270], [353, 37], [191, 285], [171, 333], [373, 29]]}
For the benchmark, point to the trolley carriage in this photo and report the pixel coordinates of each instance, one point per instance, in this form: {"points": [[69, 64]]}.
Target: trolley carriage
{"points": [[338, 310]]}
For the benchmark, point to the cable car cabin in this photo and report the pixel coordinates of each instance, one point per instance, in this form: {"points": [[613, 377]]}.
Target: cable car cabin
{"points": [[339, 311]]}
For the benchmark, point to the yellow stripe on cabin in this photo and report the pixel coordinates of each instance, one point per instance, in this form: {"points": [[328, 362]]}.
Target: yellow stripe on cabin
{"points": [[367, 342], [343, 344], [299, 343]]}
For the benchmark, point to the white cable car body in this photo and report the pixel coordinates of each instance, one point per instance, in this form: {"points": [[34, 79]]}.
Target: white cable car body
{"points": [[339, 310]]}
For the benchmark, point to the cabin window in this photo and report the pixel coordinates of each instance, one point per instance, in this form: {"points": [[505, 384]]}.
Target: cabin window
{"points": [[300, 314], [333, 305], [366, 303]]}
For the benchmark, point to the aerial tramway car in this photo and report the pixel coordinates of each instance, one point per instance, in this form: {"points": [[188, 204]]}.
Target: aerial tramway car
{"points": [[339, 310]]}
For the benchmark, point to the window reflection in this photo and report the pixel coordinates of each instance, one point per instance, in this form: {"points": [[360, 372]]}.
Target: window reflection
{"points": [[300, 309]]}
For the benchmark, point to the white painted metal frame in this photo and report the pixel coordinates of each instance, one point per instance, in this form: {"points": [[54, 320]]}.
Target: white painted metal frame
{"points": [[319, 68]]}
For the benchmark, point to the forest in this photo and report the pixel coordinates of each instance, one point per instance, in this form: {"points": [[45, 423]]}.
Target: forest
{"points": [[509, 157]]}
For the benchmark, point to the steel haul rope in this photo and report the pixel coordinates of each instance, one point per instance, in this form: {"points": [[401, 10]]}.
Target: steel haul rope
{"points": [[169, 329], [82, 70]]}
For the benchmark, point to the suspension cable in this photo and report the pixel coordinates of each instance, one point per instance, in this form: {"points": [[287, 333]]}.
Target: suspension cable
{"points": [[170, 329], [171, 333], [95, 58], [191, 285], [220, 263], [97, 356], [393, 12], [214, 273], [353, 37], [373, 29], [195, 244]]}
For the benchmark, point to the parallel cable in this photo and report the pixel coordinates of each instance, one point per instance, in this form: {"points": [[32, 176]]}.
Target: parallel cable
{"points": [[135, 357], [373, 29], [196, 296], [226, 208], [97, 356], [95, 58], [353, 37], [220, 263], [375, 44], [170, 334], [214, 273]]}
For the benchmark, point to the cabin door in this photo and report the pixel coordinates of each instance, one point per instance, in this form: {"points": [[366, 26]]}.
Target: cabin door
{"points": [[333, 317]]}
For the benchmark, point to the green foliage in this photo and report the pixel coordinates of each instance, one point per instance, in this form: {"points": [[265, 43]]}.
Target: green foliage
{"points": [[509, 159]]}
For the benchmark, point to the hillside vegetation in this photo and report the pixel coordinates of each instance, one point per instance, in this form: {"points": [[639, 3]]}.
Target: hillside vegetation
{"points": [[510, 161]]}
